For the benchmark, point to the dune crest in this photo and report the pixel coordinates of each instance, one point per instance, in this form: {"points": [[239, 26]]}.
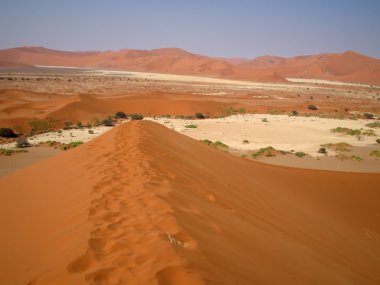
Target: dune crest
{"points": [[142, 204]]}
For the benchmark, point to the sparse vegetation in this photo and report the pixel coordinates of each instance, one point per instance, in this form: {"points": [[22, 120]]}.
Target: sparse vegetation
{"points": [[107, 122], [120, 115], [265, 151], [245, 141], [340, 147], [91, 132], [265, 120], [295, 113], [71, 145], [378, 141], [373, 125], [67, 125], [217, 144], [322, 150], [9, 152], [136, 117], [368, 116], [375, 153], [42, 126], [208, 142], [22, 142], [192, 126], [356, 157], [7, 133], [300, 154], [220, 144], [242, 111], [199, 116], [347, 131], [312, 107]]}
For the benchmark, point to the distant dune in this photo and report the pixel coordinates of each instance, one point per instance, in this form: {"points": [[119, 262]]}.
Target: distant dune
{"points": [[167, 60], [348, 66], [143, 204]]}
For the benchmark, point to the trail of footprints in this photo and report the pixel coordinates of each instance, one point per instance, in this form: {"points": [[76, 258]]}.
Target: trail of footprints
{"points": [[111, 255]]}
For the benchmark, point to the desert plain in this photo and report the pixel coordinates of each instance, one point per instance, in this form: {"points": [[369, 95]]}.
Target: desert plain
{"points": [[173, 168]]}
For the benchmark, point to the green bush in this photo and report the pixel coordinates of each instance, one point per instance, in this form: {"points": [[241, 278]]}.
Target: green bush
{"points": [[191, 126], [71, 145], [295, 113], [368, 116], [136, 117], [67, 125], [375, 153], [373, 125], [121, 115], [42, 126], [199, 116], [220, 144], [107, 122], [242, 111], [7, 133], [300, 154], [267, 151]]}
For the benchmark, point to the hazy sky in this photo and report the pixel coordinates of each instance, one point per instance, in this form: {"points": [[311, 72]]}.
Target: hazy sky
{"points": [[245, 28]]}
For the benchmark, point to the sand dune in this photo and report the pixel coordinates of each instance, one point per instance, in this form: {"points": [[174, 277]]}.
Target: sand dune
{"points": [[348, 66], [142, 204], [168, 60]]}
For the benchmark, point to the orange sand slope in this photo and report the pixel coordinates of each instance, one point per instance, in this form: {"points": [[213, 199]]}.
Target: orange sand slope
{"points": [[142, 204], [166, 60], [348, 66]]}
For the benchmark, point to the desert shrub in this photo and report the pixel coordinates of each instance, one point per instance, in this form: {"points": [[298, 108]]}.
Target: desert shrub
{"points": [[107, 122], [300, 154], [265, 120], [9, 152], [356, 157], [373, 125], [91, 132], [192, 126], [6, 152], [368, 116], [242, 111], [67, 125], [347, 131], [267, 151], [137, 117], [22, 142], [312, 107], [375, 153], [121, 115], [295, 113], [208, 142], [79, 125], [322, 150], [7, 133], [245, 141], [71, 145], [42, 126], [199, 116], [220, 144], [378, 140]]}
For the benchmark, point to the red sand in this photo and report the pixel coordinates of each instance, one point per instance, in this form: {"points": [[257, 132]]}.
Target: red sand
{"points": [[168, 60], [142, 204], [348, 66]]}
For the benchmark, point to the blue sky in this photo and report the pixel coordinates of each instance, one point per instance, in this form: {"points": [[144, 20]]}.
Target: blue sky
{"points": [[242, 28]]}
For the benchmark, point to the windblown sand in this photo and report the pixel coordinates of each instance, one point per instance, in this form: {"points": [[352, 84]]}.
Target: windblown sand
{"points": [[142, 204]]}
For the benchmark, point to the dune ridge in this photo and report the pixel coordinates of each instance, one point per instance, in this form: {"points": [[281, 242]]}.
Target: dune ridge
{"points": [[142, 204], [347, 67], [164, 60]]}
